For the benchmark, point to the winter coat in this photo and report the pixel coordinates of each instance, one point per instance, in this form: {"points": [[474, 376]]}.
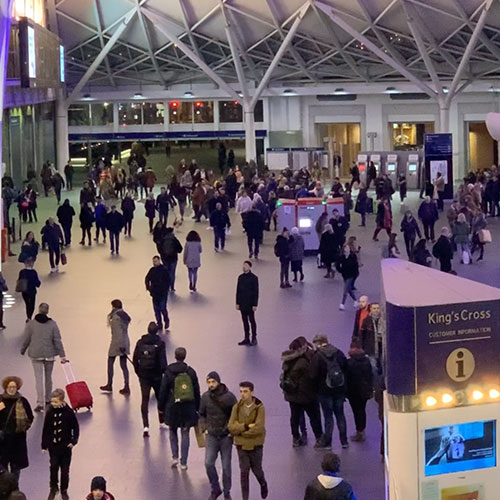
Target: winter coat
{"points": [[192, 254], [253, 223], [160, 361], [65, 214], [57, 181], [247, 291], [179, 414], [118, 321], [169, 248], [461, 232], [100, 215], [428, 212], [42, 339], [296, 366], [219, 220], [383, 219], [348, 266], [158, 281], [14, 448], [28, 251], [340, 227], [282, 248], [215, 410], [33, 282], [248, 438], [114, 222], [409, 227], [422, 257], [86, 217], [319, 369], [326, 487], [86, 196], [443, 251], [359, 376], [163, 202], [150, 179], [150, 207], [369, 335], [60, 427], [329, 248], [297, 248], [52, 235], [128, 208]]}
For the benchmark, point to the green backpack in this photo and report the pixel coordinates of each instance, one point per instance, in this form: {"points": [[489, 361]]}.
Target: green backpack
{"points": [[183, 388]]}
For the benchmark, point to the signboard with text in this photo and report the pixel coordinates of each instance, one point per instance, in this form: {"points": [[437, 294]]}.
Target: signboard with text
{"points": [[439, 158]]}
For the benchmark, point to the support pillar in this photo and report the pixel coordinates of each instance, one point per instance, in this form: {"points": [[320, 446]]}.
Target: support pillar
{"points": [[444, 118], [62, 144], [249, 121]]}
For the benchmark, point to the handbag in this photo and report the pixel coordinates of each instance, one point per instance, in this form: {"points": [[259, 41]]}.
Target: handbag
{"points": [[21, 285], [201, 438], [64, 259], [485, 236]]}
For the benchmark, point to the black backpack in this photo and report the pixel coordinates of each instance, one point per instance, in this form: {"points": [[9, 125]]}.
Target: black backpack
{"points": [[146, 358], [168, 247], [287, 384], [334, 375]]}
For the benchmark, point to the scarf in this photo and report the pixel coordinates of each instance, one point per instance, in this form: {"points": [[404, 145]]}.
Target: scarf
{"points": [[22, 421]]}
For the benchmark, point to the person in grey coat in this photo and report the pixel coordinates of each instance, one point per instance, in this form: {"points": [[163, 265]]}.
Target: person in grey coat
{"points": [[43, 342], [118, 321], [297, 253], [192, 257]]}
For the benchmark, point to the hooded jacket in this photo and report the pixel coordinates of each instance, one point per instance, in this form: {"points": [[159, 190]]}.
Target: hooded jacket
{"points": [[326, 487], [120, 343], [160, 361], [244, 436], [42, 339], [297, 367], [319, 369], [215, 410]]}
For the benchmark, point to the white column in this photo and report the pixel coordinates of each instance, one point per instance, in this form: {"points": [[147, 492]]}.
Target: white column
{"points": [[444, 117], [62, 144], [249, 122]]}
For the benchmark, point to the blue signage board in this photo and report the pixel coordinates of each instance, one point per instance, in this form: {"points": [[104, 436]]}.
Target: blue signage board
{"points": [[439, 158]]}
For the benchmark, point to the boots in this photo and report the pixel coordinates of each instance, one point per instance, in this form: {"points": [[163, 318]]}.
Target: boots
{"points": [[359, 436]]}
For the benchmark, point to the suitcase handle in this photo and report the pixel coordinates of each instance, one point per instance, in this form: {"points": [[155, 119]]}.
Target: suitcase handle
{"points": [[69, 374]]}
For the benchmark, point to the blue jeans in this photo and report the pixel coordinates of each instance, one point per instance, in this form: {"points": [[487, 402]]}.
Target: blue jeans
{"points": [[193, 276], [114, 239], [160, 308], [348, 289], [174, 444], [331, 405], [214, 446], [171, 266]]}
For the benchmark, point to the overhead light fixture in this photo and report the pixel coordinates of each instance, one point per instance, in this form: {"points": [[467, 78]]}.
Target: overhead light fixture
{"points": [[446, 90], [494, 88], [188, 94], [88, 97], [138, 95], [392, 90], [340, 92], [289, 92]]}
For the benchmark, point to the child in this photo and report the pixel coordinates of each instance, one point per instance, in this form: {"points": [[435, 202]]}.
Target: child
{"points": [[98, 490], [59, 436]]}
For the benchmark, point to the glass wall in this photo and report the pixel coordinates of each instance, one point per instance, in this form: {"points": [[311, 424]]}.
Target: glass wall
{"points": [[409, 136], [129, 113], [203, 112], [181, 111], [232, 112], [79, 115], [153, 112], [101, 114]]}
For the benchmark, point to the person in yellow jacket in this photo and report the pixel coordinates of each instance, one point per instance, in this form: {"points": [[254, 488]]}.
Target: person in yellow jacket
{"points": [[247, 425]]}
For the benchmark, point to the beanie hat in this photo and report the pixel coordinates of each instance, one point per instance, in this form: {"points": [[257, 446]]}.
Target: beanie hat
{"points": [[98, 483], [215, 376]]}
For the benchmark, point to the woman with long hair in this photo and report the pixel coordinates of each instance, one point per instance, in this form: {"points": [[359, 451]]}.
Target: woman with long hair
{"points": [[192, 258]]}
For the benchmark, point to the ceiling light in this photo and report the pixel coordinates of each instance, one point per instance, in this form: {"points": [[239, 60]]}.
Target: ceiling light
{"points": [[494, 88], [340, 92], [138, 95], [446, 90], [392, 90], [188, 94], [289, 92], [88, 97]]}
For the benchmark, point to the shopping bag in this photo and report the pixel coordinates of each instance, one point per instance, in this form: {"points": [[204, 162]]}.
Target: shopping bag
{"points": [[200, 436], [485, 236], [64, 259], [228, 231], [465, 257], [21, 285]]}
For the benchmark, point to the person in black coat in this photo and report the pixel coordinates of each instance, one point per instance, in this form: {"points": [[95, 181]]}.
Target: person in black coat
{"points": [[340, 226], [59, 435], [410, 230], [169, 248], [9, 487], [253, 223], [114, 224], [282, 251], [65, 214], [428, 214], [443, 250], [347, 265], [183, 415], [163, 202], [158, 284], [150, 363], [247, 299], [219, 221], [150, 208], [30, 278], [359, 382], [421, 255], [329, 249], [361, 206], [86, 222], [128, 208], [52, 235], [57, 183]]}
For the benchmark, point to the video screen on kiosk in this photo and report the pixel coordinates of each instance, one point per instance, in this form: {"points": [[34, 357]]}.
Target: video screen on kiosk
{"points": [[391, 167], [305, 222], [460, 447], [412, 167]]}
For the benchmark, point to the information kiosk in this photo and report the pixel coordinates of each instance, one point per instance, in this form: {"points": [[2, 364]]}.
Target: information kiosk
{"points": [[362, 162], [391, 168], [377, 162], [412, 171], [442, 403]]}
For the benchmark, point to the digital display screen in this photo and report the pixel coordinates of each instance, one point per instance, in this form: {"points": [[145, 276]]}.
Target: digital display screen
{"points": [[31, 53], [305, 223], [460, 447], [391, 167], [62, 76], [362, 167], [412, 167]]}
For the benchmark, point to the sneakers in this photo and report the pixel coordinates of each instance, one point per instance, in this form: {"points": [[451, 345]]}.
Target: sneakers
{"points": [[175, 463], [296, 442], [359, 436], [345, 445], [244, 342], [145, 432], [253, 341], [215, 494], [264, 491], [182, 467], [342, 307], [53, 270], [320, 445], [106, 389], [125, 391], [53, 493], [356, 304]]}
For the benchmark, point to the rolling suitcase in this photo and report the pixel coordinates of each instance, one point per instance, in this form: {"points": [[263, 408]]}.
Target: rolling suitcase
{"points": [[78, 392]]}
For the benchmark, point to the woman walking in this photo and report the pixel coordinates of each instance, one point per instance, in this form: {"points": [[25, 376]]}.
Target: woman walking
{"points": [[29, 248], [86, 222], [192, 257], [27, 283], [16, 418], [328, 250], [347, 266], [479, 224], [384, 219], [461, 230], [297, 253], [362, 204], [410, 230], [282, 251], [65, 214], [128, 208], [150, 207]]}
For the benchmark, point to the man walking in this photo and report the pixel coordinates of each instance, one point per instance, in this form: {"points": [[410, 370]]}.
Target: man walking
{"points": [[170, 248], [114, 224], [219, 220], [157, 284], [150, 362], [328, 366], [215, 410], [163, 201], [53, 235], [43, 342], [247, 424], [247, 298]]}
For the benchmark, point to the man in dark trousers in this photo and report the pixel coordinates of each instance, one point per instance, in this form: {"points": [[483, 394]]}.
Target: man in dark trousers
{"points": [[150, 362], [163, 202], [247, 298], [59, 436], [215, 410], [114, 224], [53, 235], [157, 284], [219, 220], [170, 248]]}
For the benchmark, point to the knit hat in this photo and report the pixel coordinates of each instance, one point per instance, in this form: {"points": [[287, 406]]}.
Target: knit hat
{"points": [[215, 376], [98, 483]]}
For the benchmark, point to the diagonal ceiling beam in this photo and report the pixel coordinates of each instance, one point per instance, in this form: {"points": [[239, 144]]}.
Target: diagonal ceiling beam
{"points": [[98, 19], [185, 17]]}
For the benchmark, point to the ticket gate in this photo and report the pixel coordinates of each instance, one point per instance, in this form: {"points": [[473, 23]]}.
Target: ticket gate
{"points": [[391, 168], [362, 162], [376, 160], [412, 171]]}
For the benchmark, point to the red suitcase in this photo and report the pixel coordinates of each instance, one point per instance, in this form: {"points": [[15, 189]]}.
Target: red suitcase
{"points": [[78, 392]]}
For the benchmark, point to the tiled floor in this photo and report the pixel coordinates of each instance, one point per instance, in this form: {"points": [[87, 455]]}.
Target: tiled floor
{"points": [[207, 324]]}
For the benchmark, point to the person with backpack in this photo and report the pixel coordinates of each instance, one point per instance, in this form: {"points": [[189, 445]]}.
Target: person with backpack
{"points": [[59, 436], [157, 283], [328, 366], [253, 224], [359, 381], [215, 409], [150, 363], [328, 486], [180, 401], [299, 391], [170, 248]]}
